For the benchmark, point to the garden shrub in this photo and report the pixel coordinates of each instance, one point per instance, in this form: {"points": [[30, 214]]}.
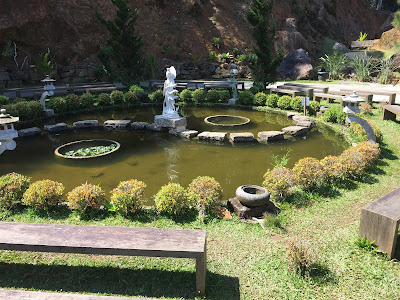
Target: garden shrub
{"points": [[260, 99], [59, 104], [128, 196], [369, 150], [245, 98], [332, 168], [19, 99], [224, 95], [131, 98], [72, 101], [335, 114], [86, 196], [296, 104], [213, 96], [313, 108], [12, 189], [156, 96], [278, 182], [365, 108], [354, 163], [284, 102], [186, 96], [308, 172], [359, 131], [44, 194], [35, 110], [199, 95], [136, 89], [4, 100], [26, 110], [272, 100], [256, 88], [86, 100], [301, 257], [104, 99], [171, 199], [117, 97]]}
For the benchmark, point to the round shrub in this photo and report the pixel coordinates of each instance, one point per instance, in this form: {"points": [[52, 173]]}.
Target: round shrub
{"points": [[19, 99], [12, 189], [136, 89], [127, 197], [308, 172], [278, 182], [171, 199], [43, 194], [272, 100], [156, 96], [369, 150], [204, 192], [260, 99], [284, 102], [86, 100], [4, 100], [296, 104], [335, 114], [117, 97], [354, 163], [224, 95], [104, 99], [199, 96], [359, 131], [131, 98], [59, 104], [72, 101], [245, 98], [332, 168], [186, 96], [213, 96], [86, 196], [256, 88], [35, 109], [313, 108]]}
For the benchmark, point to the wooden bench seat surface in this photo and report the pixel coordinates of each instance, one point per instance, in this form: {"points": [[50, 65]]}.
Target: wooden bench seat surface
{"points": [[326, 95], [393, 108], [388, 205], [102, 240]]}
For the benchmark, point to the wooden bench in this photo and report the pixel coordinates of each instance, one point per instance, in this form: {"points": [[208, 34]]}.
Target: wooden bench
{"points": [[308, 91], [391, 110], [323, 89], [294, 93], [367, 96], [104, 240], [392, 95], [380, 222], [329, 97]]}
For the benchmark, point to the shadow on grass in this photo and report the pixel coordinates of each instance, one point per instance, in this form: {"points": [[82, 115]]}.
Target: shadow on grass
{"points": [[111, 280], [301, 198], [387, 153], [60, 212], [321, 275]]}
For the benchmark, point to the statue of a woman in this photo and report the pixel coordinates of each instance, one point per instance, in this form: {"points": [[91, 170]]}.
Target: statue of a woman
{"points": [[169, 109]]}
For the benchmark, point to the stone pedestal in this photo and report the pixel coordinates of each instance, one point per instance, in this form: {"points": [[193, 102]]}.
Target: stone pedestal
{"points": [[232, 101], [179, 124], [48, 112], [247, 212]]}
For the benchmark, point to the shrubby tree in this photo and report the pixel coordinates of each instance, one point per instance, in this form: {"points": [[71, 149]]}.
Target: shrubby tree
{"points": [[396, 19], [121, 56], [264, 68]]}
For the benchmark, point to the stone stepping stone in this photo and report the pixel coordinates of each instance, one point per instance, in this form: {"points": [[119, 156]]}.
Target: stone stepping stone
{"points": [[28, 132], [291, 114], [56, 128], [307, 124], [267, 136], [162, 121], [116, 124], [86, 124], [154, 127], [213, 136], [302, 118], [139, 125], [185, 134], [295, 130], [241, 137]]}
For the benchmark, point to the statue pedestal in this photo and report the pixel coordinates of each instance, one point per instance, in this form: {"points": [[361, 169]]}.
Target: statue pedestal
{"points": [[177, 123], [232, 101], [48, 112]]}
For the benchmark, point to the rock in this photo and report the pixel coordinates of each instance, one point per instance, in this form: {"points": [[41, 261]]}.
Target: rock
{"points": [[139, 125], [246, 212], [396, 59], [291, 114], [294, 130], [340, 47], [28, 132], [241, 137], [176, 123], [57, 128], [116, 124], [185, 134], [298, 118], [297, 65], [267, 136], [86, 124], [153, 127], [213, 136], [307, 124]]}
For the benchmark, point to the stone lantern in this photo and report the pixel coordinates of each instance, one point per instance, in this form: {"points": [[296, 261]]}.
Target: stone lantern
{"points": [[48, 91], [7, 131], [351, 103], [232, 80]]}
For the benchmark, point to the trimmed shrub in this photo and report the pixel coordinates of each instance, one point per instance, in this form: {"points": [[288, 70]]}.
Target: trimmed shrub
{"points": [[260, 99], [44, 194], [171, 199], [365, 108], [26, 110], [369, 150], [313, 108], [86, 196], [117, 97], [224, 95], [308, 172], [128, 196], [136, 89], [213, 96], [186, 96], [354, 163], [359, 131], [4, 100], [278, 182], [131, 98], [335, 114], [245, 98], [19, 99], [104, 99], [295, 104], [86, 100], [35, 110], [12, 189], [59, 104], [199, 96], [157, 96], [272, 100], [256, 88], [284, 102], [332, 168], [72, 101]]}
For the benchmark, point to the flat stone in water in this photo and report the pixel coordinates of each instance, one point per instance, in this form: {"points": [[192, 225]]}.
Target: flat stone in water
{"points": [[56, 128], [154, 127], [116, 124], [295, 130], [185, 134], [241, 137], [28, 132], [291, 114], [85, 124], [213, 136], [265, 136], [307, 124], [139, 125], [161, 121], [298, 118]]}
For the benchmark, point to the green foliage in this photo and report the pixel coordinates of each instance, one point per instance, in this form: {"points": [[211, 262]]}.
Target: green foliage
{"points": [[156, 96], [72, 101], [8, 49], [359, 131], [308, 172], [284, 102], [363, 36], [278, 182], [85, 197], [43, 65], [59, 104], [363, 67], [272, 100], [296, 105], [131, 98], [332, 168], [235, 51], [313, 108], [128, 196], [335, 114], [216, 41], [334, 64], [354, 163], [212, 55], [171, 199], [26, 110], [4, 100], [136, 89], [86, 100], [213, 96], [364, 244], [91, 151], [121, 56], [104, 99], [301, 257], [256, 88], [272, 221], [260, 99], [280, 162], [199, 95], [396, 20], [44, 194], [12, 189], [117, 97], [241, 57], [385, 67], [151, 65], [186, 96], [264, 69], [245, 98]]}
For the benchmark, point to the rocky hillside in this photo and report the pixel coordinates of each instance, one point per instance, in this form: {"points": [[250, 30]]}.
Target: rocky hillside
{"points": [[182, 27]]}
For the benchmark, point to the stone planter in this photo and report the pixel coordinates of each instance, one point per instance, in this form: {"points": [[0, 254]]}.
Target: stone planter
{"points": [[252, 195], [73, 146]]}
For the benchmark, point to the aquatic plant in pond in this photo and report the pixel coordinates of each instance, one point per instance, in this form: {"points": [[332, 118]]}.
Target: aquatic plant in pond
{"points": [[91, 151]]}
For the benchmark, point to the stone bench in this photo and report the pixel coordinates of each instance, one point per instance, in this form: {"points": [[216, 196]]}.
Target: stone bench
{"points": [[307, 90], [329, 97], [390, 111], [292, 92], [323, 89], [380, 222], [105, 240]]}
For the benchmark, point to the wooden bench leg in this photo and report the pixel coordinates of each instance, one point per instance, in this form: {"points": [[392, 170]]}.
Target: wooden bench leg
{"points": [[388, 115], [201, 269]]}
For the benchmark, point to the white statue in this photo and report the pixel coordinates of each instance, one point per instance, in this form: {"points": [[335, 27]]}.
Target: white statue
{"points": [[169, 110]]}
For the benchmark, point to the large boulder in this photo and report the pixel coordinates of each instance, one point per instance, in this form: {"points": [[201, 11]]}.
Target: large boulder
{"points": [[297, 65]]}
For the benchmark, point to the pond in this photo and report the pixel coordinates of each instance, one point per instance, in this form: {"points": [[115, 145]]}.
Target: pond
{"points": [[157, 157]]}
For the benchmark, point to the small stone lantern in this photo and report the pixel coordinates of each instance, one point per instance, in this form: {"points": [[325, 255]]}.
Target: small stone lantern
{"points": [[351, 103], [232, 80], [48, 91], [7, 131]]}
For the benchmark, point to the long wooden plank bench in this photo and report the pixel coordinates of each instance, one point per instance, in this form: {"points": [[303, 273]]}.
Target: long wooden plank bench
{"points": [[392, 95], [391, 110], [308, 91], [329, 97], [380, 221], [323, 89], [294, 93], [104, 240]]}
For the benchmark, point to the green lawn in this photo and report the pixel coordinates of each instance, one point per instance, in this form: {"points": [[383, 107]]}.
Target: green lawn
{"points": [[244, 261]]}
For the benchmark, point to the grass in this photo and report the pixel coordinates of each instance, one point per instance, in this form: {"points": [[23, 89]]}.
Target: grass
{"points": [[244, 261]]}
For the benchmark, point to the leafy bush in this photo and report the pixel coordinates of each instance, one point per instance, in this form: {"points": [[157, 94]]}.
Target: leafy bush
{"points": [[136, 89], [245, 98], [59, 104], [212, 55], [128, 196], [26, 110], [157, 96], [86, 100], [171, 199], [256, 88], [4, 100], [363, 67], [308, 172], [335, 64], [314, 107], [278, 182], [12, 189], [86, 196], [284, 102], [35, 110], [44, 194], [131, 98], [104, 99], [199, 95], [272, 100], [301, 257], [354, 162], [260, 99], [365, 108], [213, 96], [335, 114], [186, 96], [72, 101], [117, 97], [295, 104], [332, 168], [224, 95], [359, 131], [369, 150]]}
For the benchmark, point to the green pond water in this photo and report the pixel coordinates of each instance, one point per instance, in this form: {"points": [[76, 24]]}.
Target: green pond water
{"points": [[158, 158]]}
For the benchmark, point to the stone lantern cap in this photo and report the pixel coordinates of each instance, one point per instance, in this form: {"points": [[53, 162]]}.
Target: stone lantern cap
{"points": [[6, 118], [353, 98], [48, 80]]}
